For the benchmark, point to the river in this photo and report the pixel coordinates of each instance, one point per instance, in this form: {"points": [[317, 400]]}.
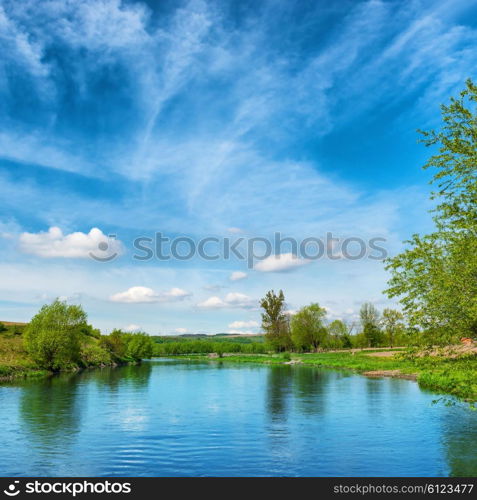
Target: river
{"points": [[168, 418]]}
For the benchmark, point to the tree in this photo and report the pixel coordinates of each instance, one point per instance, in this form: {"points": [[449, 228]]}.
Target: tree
{"points": [[307, 329], [114, 343], [340, 331], [139, 346], [393, 325], [275, 321], [369, 314], [435, 277], [370, 323], [53, 336]]}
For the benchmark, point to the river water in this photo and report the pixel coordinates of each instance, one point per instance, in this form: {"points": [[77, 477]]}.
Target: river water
{"points": [[167, 418]]}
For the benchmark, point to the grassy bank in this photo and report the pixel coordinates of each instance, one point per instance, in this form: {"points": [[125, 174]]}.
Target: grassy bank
{"points": [[15, 361], [454, 376]]}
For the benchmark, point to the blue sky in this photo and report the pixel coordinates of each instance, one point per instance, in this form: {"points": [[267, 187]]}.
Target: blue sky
{"points": [[224, 118]]}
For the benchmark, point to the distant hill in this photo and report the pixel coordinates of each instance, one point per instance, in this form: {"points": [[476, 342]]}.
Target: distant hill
{"points": [[13, 323]]}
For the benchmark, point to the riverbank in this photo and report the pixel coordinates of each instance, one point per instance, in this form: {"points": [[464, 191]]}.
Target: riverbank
{"points": [[456, 376], [16, 364], [17, 371]]}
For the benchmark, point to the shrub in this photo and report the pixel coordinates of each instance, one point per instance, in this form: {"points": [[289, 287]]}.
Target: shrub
{"points": [[53, 336]]}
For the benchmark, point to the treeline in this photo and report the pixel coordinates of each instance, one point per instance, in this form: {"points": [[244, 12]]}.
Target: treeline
{"points": [[305, 331], [209, 346], [60, 338]]}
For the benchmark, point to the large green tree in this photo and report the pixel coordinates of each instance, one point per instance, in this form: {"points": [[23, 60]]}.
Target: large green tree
{"points": [[339, 331], [53, 336], [275, 321], [139, 346], [435, 277], [370, 319], [307, 329], [393, 325]]}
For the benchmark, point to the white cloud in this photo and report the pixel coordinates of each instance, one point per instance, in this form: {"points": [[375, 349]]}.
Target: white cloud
{"points": [[243, 324], [237, 275], [280, 263], [132, 328], [231, 300], [54, 243], [241, 332], [181, 330], [212, 303], [144, 295]]}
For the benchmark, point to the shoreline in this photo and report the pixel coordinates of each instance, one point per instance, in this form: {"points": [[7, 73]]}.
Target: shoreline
{"points": [[39, 374], [450, 376]]}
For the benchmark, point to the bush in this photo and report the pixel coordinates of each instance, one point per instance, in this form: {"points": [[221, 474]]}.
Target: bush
{"points": [[53, 336], [92, 354], [139, 346]]}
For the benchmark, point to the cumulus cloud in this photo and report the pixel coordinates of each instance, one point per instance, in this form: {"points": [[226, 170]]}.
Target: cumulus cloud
{"points": [[132, 328], [237, 275], [243, 324], [78, 245], [280, 263], [181, 331], [231, 300], [144, 295]]}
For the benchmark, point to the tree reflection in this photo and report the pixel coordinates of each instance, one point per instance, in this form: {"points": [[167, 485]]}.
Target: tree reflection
{"points": [[50, 410], [111, 379], [309, 388], [460, 441], [279, 384]]}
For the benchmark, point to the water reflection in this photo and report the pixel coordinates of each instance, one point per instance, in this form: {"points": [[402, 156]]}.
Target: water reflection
{"points": [[460, 441], [178, 418], [310, 389], [50, 411], [279, 383], [111, 379]]}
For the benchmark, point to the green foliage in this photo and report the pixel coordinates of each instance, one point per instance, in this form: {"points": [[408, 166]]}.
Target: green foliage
{"points": [[207, 346], [92, 354], [139, 346], [53, 336], [89, 331], [114, 344], [393, 325], [370, 319], [275, 322], [339, 335], [3, 328], [435, 277], [373, 335], [307, 329], [369, 315], [123, 346]]}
